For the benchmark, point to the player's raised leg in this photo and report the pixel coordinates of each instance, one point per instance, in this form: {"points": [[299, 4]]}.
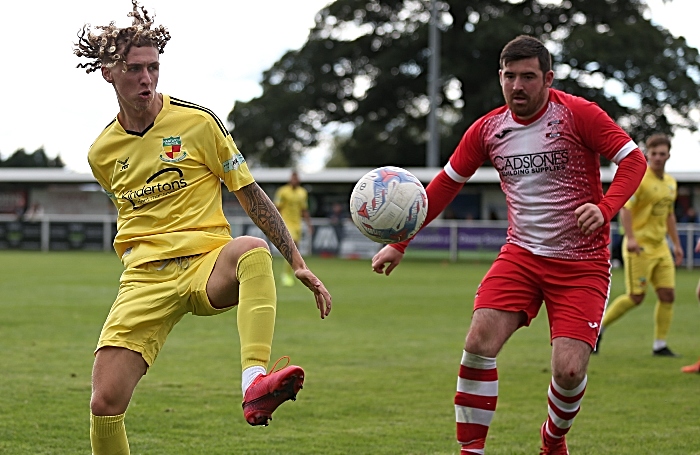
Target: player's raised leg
{"points": [[477, 383], [243, 275]]}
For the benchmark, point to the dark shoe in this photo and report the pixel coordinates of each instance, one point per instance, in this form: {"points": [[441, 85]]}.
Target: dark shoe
{"points": [[665, 352]]}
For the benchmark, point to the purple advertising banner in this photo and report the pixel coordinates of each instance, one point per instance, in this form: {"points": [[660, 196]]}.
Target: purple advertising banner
{"points": [[468, 238]]}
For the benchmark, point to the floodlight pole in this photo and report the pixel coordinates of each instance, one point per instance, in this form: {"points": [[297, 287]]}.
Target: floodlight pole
{"points": [[432, 154]]}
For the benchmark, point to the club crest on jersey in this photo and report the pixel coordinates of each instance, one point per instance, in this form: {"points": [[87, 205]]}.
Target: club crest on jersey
{"points": [[172, 150], [554, 126]]}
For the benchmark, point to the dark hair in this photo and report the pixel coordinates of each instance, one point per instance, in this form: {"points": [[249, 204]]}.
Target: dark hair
{"points": [[112, 43], [658, 139], [523, 47]]}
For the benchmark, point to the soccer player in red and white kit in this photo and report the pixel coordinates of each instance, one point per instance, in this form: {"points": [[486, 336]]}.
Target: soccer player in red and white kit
{"points": [[545, 144]]}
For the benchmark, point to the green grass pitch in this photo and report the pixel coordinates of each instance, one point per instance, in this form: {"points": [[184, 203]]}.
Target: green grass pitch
{"points": [[381, 370]]}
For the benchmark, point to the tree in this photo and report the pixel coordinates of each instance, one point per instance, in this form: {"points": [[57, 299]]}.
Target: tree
{"points": [[37, 158], [365, 65]]}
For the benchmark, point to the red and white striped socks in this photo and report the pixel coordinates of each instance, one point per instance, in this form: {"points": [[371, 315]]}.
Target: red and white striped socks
{"points": [[477, 394], [475, 401], [563, 405]]}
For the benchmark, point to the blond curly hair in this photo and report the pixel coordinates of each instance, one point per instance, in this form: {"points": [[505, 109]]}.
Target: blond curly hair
{"points": [[111, 44]]}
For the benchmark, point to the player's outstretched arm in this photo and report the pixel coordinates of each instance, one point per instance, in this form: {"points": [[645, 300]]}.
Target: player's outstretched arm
{"points": [[387, 255], [265, 215]]}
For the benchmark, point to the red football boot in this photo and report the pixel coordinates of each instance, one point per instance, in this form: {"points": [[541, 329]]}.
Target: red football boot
{"points": [[552, 449], [268, 391]]}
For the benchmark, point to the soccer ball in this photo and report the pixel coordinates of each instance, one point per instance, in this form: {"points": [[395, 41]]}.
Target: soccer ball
{"points": [[388, 205]]}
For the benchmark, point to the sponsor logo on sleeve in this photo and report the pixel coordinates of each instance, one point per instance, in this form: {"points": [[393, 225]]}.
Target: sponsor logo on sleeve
{"points": [[234, 163]]}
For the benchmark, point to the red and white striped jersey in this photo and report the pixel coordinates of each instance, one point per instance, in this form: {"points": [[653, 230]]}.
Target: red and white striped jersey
{"points": [[548, 166]]}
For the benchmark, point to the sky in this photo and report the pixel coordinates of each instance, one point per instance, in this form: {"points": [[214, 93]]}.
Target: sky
{"points": [[217, 54]]}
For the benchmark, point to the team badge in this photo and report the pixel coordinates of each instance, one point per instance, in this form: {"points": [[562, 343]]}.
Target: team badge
{"points": [[172, 150], [554, 126]]}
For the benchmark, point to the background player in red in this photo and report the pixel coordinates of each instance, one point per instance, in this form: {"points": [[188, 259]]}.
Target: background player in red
{"points": [[545, 144]]}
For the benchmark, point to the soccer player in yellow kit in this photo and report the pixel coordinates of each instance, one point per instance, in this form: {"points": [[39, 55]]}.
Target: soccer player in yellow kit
{"points": [[292, 200], [647, 218], [161, 161]]}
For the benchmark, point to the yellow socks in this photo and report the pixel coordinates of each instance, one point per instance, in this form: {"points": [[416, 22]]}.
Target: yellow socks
{"points": [[257, 303], [663, 314], [620, 306], [288, 278], [108, 435]]}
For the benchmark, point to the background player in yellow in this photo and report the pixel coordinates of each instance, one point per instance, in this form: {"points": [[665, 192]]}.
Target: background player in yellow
{"points": [[292, 200], [161, 161], [647, 218]]}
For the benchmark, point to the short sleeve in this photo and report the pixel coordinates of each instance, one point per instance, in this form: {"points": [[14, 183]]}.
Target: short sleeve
{"points": [[230, 165]]}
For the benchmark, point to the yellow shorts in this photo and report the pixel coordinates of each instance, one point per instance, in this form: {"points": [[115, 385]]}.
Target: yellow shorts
{"points": [[295, 230], [153, 297], [649, 267]]}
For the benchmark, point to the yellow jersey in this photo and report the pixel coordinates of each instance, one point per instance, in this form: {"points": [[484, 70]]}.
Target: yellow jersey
{"points": [[166, 182], [291, 202], [650, 207]]}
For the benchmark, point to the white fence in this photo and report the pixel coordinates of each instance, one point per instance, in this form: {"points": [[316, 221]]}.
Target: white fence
{"points": [[453, 238]]}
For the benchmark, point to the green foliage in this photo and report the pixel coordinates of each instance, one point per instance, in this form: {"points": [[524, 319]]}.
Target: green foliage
{"points": [[381, 370], [365, 65], [37, 158]]}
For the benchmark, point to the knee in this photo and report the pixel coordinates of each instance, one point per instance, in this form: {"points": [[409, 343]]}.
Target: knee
{"points": [[103, 404], [248, 243], [569, 378], [490, 329], [637, 298], [481, 343], [239, 246], [666, 295]]}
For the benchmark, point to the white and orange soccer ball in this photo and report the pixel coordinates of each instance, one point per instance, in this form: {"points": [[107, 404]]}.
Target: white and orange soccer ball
{"points": [[388, 204]]}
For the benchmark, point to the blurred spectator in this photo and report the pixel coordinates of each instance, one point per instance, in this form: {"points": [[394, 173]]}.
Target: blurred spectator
{"points": [[337, 219], [34, 213], [691, 216]]}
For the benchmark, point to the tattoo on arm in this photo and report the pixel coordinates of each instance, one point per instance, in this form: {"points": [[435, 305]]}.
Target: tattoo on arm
{"points": [[265, 215]]}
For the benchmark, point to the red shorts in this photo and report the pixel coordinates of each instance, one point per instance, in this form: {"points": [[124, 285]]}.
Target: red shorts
{"points": [[574, 292]]}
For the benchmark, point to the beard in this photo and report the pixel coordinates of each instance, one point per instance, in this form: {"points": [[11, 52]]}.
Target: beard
{"points": [[532, 103]]}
